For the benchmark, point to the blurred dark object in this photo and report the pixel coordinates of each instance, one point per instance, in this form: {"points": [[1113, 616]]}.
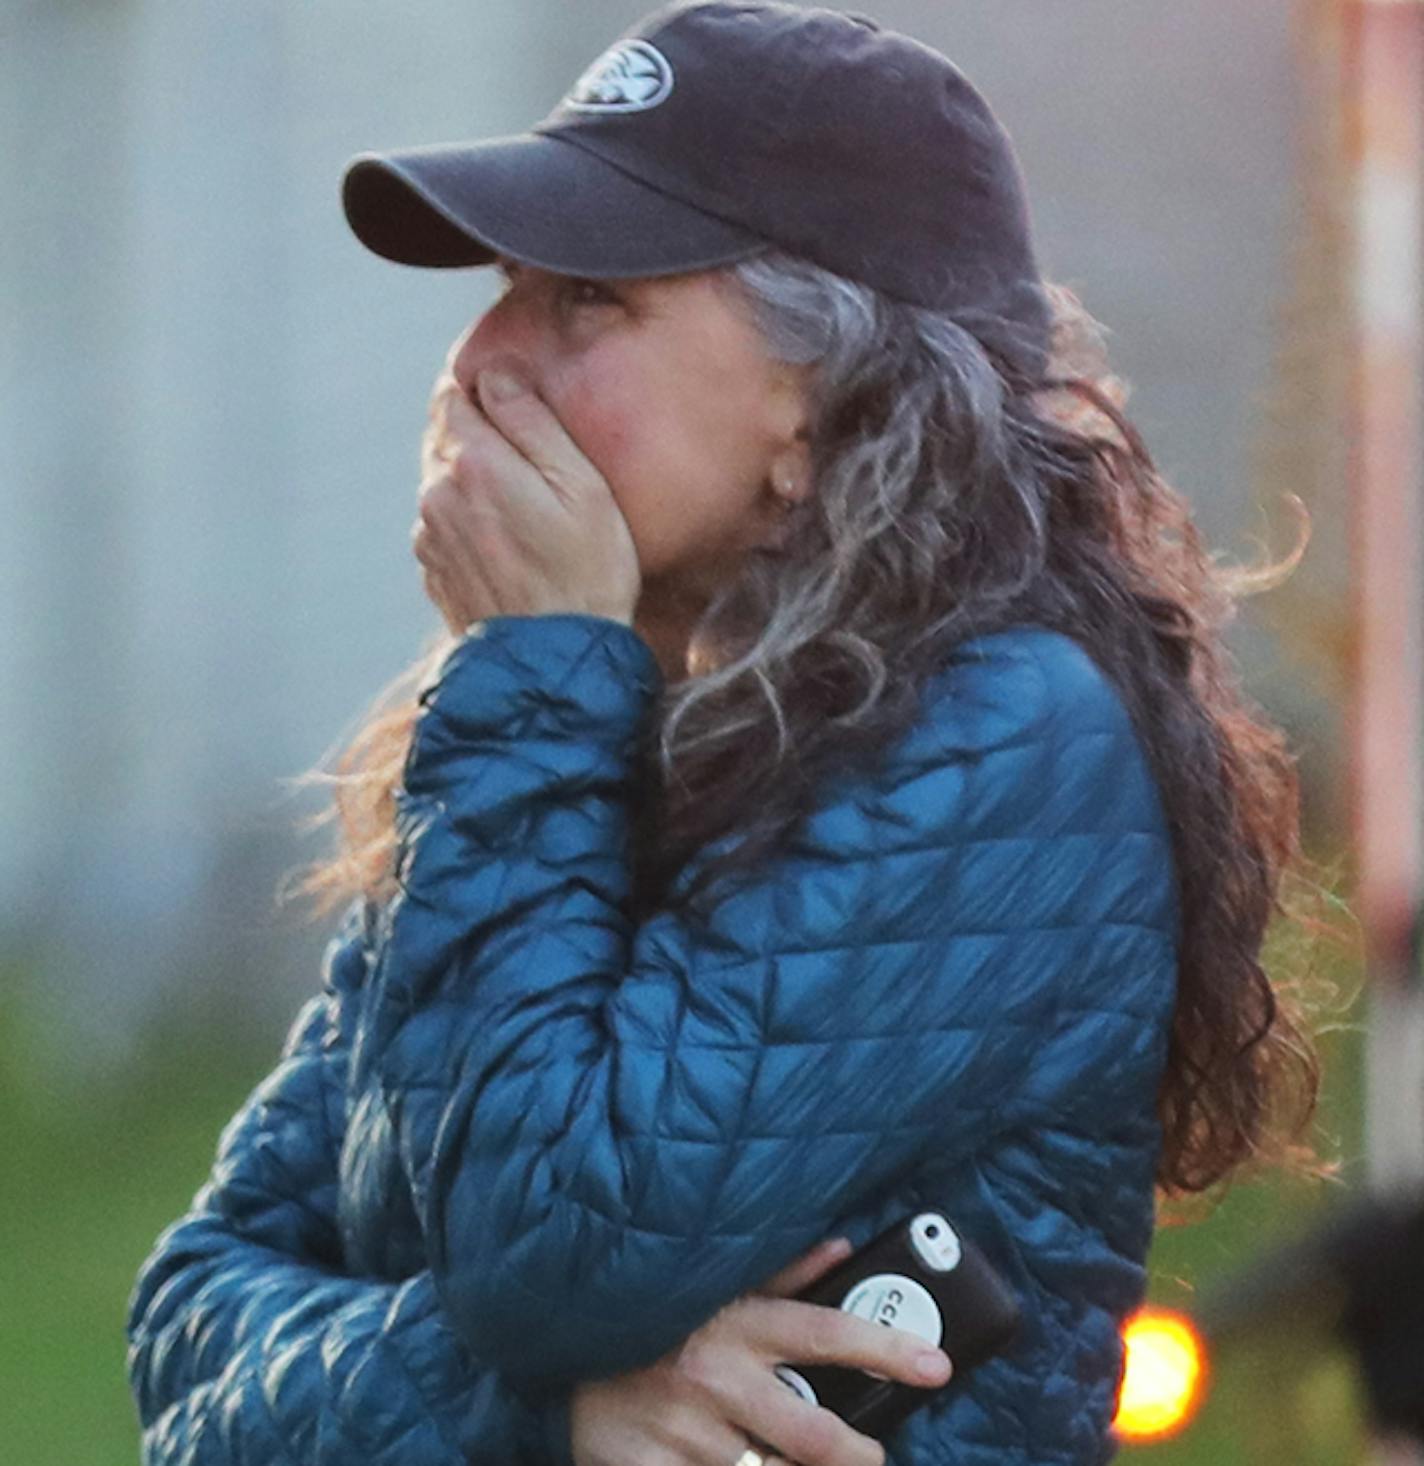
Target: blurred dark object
{"points": [[1383, 1257], [1360, 1273]]}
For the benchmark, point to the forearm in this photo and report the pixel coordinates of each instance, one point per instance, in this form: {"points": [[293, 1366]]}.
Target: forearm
{"points": [[249, 1358], [632, 1124], [250, 1339]]}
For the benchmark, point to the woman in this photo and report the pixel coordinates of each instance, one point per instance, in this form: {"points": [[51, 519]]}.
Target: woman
{"points": [[831, 796]]}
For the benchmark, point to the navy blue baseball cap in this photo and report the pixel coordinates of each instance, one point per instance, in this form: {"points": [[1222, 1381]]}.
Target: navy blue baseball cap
{"points": [[716, 129]]}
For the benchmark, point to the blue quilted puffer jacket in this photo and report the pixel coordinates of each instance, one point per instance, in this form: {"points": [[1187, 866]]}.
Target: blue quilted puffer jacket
{"points": [[519, 1140]]}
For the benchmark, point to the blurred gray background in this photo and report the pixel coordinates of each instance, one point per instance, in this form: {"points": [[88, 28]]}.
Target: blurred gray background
{"points": [[211, 399]]}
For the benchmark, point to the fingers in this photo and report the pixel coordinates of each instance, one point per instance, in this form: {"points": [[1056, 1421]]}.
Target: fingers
{"points": [[730, 1361], [514, 533], [523, 418], [458, 421], [777, 1419], [797, 1332], [433, 462], [512, 421], [805, 1269], [651, 1415], [479, 493]]}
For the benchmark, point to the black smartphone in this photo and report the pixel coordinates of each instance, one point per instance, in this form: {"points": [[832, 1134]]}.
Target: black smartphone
{"points": [[922, 1275]]}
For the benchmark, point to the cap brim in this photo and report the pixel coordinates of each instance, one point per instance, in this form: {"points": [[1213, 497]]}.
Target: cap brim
{"points": [[538, 199]]}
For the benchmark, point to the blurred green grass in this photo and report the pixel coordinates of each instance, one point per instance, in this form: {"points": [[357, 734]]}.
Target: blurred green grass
{"points": [[101, 1173]]}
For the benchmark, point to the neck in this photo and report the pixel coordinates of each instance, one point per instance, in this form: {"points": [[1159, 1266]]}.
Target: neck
{"points": [[664, 619]]}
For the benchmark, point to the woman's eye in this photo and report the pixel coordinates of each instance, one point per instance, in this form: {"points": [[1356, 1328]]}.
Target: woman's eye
{"points": [[589, 292], [570, 292]]}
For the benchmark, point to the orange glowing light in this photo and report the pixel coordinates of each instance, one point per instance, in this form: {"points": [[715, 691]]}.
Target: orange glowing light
{"points": [[1164, 1375]]}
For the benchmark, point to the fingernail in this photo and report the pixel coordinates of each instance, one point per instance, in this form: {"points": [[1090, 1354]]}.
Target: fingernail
{"points": [[501, 386], [933, 1365]]}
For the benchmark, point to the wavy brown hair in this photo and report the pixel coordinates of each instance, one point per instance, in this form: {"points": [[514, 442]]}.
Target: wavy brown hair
{"points": [[957, 491]]}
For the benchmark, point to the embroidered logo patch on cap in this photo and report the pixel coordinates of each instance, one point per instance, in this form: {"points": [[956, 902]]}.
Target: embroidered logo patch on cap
{"points": [[629, 77]]}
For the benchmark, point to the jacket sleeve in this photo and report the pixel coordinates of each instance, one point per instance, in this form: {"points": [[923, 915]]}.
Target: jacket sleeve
{"points": [[247, 1342], [621, 1128]]}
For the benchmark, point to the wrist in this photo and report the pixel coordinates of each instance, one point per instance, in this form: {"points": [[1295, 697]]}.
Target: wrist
{"points": [[623, 618]]}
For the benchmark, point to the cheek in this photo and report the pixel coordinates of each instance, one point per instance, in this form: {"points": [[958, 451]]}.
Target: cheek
{"points": [[676, 442], [614, 420], [602, 420]]}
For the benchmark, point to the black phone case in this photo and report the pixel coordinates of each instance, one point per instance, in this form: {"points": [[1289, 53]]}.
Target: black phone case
{"points": [[959, 1304]]}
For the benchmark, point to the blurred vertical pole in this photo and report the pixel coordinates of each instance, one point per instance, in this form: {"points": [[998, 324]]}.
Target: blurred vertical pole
{"points": [[1384, 98], [1385, 95]]}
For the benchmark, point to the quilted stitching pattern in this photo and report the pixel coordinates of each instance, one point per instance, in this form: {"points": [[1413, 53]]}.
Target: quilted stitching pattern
{"points": [[248, 1343], [955, 987]]}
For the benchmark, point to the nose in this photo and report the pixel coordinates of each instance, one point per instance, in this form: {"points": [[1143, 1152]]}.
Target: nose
{"points": [[504, 335]]}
